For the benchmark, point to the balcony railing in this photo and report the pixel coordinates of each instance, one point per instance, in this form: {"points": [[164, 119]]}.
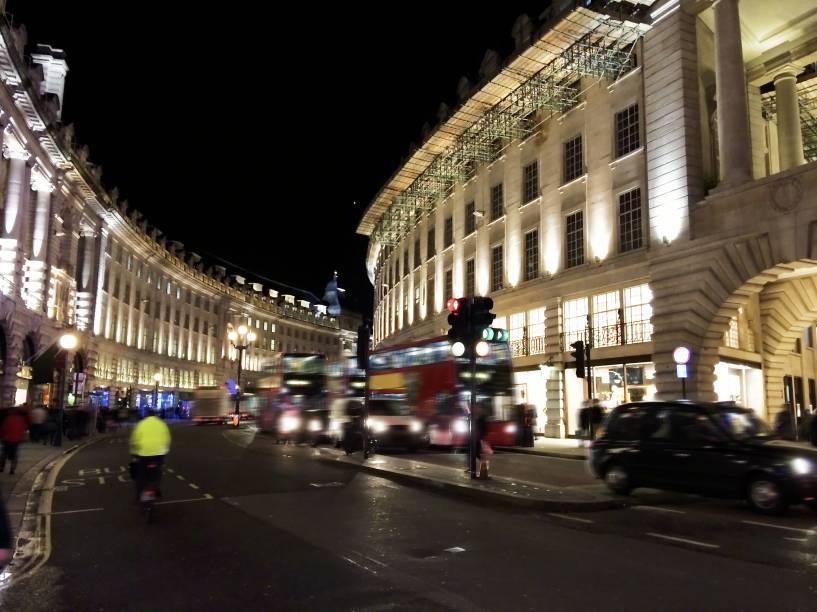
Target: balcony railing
{"points": [[610, 335]]}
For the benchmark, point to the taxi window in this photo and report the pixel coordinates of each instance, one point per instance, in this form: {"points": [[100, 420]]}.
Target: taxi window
{"points": [[628, 425], [692, 427]]}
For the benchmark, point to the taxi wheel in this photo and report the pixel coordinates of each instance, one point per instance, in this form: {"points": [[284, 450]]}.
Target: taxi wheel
{"points": [[617, 479], [765, 495]]}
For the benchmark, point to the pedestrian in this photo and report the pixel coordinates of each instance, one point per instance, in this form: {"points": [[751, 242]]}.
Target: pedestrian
{"points": [[595, 417], [483, 450], [584, 420], [783, 425], [37, 418], [530, 423], [12, 432]]}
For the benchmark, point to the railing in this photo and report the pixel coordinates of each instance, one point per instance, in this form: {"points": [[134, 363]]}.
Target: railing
{"points": [[519, 347], [536, 345], [610, 335]]}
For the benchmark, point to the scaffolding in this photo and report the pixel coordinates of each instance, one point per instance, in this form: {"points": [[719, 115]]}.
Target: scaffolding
{"points": [[584, 44]]}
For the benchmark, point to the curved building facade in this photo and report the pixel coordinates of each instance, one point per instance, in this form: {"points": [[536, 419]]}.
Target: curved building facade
{"points": [[599, 185], [72, 256]]}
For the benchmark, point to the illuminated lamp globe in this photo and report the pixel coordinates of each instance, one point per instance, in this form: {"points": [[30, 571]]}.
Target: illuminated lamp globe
{"points": [[157, 377], [242, 330], [458, 349], [251, 336], [69, 341], [483, 348], [232, 336]]}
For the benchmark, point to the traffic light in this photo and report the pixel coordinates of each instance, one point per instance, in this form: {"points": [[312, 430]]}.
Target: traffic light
{"points": [[578, 355], [495, 334], [457, 319], [481, 316], [470, 320]]}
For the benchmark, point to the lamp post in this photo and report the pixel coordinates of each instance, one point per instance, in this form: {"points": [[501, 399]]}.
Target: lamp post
{"points": [[157, 378], [68, 342], [241, 340]]}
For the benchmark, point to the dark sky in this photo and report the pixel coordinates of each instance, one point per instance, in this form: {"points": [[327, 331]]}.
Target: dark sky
{"points": [[248, 134]]}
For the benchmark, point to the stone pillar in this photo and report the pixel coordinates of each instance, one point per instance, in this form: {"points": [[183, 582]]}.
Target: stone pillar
{"points": [[99, 283], [734, 143], [35, 288], [85, 279], [789, 134], [554, 374], [11, 264]]}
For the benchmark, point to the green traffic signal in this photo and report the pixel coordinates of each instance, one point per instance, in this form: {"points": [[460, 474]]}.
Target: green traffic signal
{"points": [[488, 334]]}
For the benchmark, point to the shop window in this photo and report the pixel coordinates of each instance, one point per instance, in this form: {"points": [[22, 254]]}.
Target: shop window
{"points": [[606, 328], [574, 315], [517, 335], [637, 314], [536, 331]]}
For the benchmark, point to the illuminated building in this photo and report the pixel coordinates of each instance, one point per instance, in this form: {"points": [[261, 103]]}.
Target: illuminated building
{"points": [[74, 255], [639, 175]]}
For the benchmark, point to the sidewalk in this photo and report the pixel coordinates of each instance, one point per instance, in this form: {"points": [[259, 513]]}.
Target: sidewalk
{"points": [[501, 490], [564, 448]]}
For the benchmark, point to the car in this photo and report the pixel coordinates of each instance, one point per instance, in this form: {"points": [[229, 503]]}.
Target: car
{"points": [[392, 423], [709, 449]]}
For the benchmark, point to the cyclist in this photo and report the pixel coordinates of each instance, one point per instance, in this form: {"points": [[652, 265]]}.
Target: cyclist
{"points": [[149, 443]]}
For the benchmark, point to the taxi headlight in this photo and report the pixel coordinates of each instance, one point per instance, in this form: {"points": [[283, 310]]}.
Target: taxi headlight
{"points": [[290, 423], [801, 466], [460, 426], [416, 427], [314, 425]]}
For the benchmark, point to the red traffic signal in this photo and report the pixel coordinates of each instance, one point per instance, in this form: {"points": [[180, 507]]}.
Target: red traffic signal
{"points": [[453, 305]]}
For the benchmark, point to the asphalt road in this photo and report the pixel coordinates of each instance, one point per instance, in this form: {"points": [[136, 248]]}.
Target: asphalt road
{"points": [[250, 525]]}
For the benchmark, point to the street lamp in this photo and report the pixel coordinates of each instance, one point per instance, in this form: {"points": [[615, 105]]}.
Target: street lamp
{"points": [[157, 378], [241, 340], [68, 342]]}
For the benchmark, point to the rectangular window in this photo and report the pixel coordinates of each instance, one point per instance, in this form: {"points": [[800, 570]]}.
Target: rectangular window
{"points": [[429, 297], [417, 253], [575, 239], [536, 331], [630, 233], [448, 233], [469, 278], [496, 268], [497, 202], [530, 182], [470, 218], [449, 284], [416, 304], [431, 247], [638, 314], [627, 137], [516, 335], [606, 328], [574, 319], [810, 336], [531, 255], [573, 164], [812, 394], [730, 337]]}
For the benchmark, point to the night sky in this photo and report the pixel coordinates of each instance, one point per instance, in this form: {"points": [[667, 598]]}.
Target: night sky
{"points": [[260, 136]]}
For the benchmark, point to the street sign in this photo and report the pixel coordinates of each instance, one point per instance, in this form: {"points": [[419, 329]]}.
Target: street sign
{"points": [[681, 370]]}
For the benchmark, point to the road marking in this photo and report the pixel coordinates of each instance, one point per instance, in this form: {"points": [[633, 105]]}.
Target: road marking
{"points": [[206, 497], [796, 529], [325, 484], [684, 540], [796, 539], [658, 509], [360, 554], [192, 486], [455, 549], [170, 470], [360, 565], [571, 518], [179, 476], [75, 511]]}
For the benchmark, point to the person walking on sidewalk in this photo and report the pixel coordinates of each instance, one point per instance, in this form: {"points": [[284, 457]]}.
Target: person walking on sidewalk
{"points": [[12, 432]]}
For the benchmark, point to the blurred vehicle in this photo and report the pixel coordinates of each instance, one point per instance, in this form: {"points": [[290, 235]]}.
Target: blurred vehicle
{"points": [[708, 449], [211, 405], [392, 423], [346, 388], [435, 385], [293, 391]]}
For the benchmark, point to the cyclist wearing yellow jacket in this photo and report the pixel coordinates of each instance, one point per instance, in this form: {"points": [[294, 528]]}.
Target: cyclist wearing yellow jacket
{"points": [[149, 442]]}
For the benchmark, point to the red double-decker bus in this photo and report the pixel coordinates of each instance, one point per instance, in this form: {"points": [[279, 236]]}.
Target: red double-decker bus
{"points": [[436, 387]]}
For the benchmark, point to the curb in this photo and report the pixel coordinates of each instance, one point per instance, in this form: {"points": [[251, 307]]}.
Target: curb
{"points": [[528, 451], [31, 547], [485, 495]]}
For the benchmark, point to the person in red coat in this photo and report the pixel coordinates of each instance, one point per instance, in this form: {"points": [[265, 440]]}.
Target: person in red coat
{"points": [[12, 432]]}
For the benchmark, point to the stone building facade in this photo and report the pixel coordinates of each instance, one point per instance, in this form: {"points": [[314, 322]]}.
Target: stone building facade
{"points": [[639, 175]]}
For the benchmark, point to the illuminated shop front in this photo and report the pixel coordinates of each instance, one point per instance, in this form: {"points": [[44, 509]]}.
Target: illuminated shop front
{"points": [[529, 387], [741, 383], [613, 384]]}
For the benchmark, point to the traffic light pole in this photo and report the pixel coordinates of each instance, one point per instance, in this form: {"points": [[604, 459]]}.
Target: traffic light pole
{"points": [[589, 366], [472, 437]]}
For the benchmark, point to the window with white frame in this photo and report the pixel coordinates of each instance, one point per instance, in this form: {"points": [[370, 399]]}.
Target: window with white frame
{"points": [[630, 232], [449, 284], [627, 134], [574, 243], [497, 202], [431, 248], [536, 331], [574, 320], [417, 253], [448, 232], [606, 328], [429, 297], [416, 303], [731, 337], [573, 162], [638, 314], [516, 334], [496, 268], [470, 288], [531, 255], [470, 218], [530, 182]]}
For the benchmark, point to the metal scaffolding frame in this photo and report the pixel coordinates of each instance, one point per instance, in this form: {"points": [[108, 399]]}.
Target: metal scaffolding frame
{"points": [[603, 51]]}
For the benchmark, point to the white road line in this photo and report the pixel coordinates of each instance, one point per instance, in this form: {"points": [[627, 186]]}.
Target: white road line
{"points": [[192, 486], [684, 540], [796, 539], [170, 470], [798, 530], [360, 554], [179, 477], [75, 511], [571, 518], [206, 497], [658, 509], [360, 565]]}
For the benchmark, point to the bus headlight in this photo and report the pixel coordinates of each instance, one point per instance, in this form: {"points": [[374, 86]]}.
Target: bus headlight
{"points": [[416, 427], [314, 425], [510, 428], [460, 426], [376, 426], [334, 425], [290, 423]]}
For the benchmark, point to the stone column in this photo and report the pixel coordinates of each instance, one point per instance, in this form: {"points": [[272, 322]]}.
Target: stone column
{"points": [[789, 134], [36, 267], [734, 143], [13, 216]]}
